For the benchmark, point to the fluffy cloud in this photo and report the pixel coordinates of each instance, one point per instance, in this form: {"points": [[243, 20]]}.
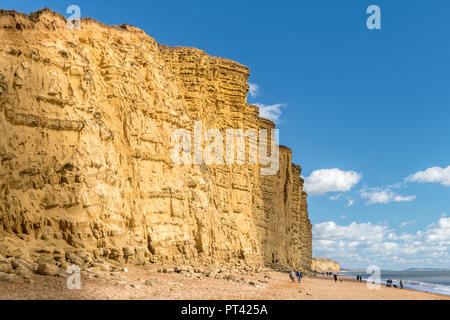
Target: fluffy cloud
{"points": [[376, 195], [439, 231], [254, 90], [434, 174], [272, 112], [330, 231], [331, 180], [359, 245]]}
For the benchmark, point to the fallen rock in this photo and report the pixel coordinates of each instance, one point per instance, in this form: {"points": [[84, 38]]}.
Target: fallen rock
{"points": [[21, 270], [7, 276], [102, 266], [16, 263], [47, 269], [73, 258], [6, 268]]}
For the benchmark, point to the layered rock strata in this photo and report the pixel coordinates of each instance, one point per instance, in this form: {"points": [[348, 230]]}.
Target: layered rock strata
{"points": [[86, 119]]}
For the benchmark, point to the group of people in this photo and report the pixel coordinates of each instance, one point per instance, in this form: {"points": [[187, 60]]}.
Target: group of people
{"points": [[358, 278], [328, 274], [390, 283], [297, 274], [334, 275]]}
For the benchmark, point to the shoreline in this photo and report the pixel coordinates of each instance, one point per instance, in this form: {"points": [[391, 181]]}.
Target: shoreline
{"points": [[146, 283], [404, 289]]}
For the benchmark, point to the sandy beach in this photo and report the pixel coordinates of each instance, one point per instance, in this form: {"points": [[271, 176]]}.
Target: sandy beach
{"points": [[146, 283]]}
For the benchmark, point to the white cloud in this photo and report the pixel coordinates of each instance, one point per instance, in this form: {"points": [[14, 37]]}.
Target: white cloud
{"points": [[336, 197], [359, 245], [254, 90], [434, 174], [331, 180], [272, 112], [439, 231], [350, 203], [330, 231], [377, 195], [406, 223]]}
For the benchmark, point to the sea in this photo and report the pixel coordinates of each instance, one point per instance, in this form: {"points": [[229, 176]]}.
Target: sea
{"points": [[427, 281]]}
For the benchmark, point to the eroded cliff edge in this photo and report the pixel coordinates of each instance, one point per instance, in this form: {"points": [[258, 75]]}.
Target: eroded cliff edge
{"points": [[86, 118]]}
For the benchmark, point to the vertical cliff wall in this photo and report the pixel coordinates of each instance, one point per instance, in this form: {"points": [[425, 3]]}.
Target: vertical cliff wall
{"points": [[86, 118]]}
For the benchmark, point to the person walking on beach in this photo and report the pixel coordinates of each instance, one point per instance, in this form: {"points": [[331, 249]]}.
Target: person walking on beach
{"points": [[335, 277], [292, 275], [299, 276], [389, 283], [401, 284]]}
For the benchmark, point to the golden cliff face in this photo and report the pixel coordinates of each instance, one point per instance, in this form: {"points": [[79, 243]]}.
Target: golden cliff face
{"points": [[86, 118], [324, 265]]}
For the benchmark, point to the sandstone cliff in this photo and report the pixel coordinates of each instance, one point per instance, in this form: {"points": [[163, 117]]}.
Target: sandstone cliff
{"points": [[86, 117], [324, 265]]}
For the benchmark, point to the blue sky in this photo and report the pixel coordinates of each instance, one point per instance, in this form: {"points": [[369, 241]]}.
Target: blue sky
{"points": [[372, 103]]}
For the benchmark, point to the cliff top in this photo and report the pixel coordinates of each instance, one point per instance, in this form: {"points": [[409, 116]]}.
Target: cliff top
{"points": [[323, 259], [11, 19]]}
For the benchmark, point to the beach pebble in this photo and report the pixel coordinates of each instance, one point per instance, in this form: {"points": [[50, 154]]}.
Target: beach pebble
{"points": [[150, 282]]}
